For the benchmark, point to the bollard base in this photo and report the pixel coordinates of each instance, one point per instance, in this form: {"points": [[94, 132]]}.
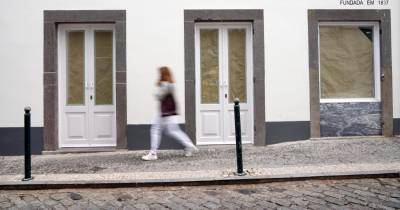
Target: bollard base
{"points": [[240, 174], [27, 179]]}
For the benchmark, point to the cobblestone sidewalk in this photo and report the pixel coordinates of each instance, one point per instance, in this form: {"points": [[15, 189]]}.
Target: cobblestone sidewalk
{"points": [[303, 153]]}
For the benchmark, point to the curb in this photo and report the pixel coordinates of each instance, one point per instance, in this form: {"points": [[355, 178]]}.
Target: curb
{"points": [[42, 185]]}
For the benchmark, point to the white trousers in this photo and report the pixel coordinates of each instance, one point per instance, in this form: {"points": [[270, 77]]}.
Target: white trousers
{"points": [[172, 129]]}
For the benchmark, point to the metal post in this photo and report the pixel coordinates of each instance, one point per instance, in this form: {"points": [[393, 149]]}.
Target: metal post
{"points": [[27, 123], [238, 132]]}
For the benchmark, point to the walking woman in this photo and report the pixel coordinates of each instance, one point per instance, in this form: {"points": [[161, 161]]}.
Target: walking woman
{"points": [[167, 119]]}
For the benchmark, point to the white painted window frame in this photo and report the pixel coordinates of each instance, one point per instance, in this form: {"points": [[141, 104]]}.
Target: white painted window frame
{"points": [[376, 54]]}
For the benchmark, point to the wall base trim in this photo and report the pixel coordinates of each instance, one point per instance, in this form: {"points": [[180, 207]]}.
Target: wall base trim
{"points": [[12, 140], [287, 131]]}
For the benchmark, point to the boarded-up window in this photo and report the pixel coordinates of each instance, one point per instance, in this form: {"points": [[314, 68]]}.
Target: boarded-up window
{"points": [[346, 62]]}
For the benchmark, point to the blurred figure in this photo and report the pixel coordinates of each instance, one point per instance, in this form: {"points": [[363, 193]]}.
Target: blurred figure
{"points": [[167, 119]]}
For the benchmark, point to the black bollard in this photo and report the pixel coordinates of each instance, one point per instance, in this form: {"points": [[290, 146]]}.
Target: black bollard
{"points": [[238, 132], [27, 124]]}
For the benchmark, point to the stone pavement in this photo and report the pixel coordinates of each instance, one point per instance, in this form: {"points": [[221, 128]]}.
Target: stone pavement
{"points": [[320, 157], [382, 193]]}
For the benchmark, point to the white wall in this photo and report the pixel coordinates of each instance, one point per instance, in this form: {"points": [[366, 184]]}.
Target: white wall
{"points": [[155, 37]]}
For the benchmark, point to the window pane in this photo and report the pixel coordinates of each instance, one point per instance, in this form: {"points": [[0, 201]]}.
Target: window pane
{"points": [[237, 64], [346, 62], [75, 67], [104, 67], [209, 66]]}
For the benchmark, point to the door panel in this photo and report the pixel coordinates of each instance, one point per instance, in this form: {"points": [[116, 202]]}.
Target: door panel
{"points": [[210, 126], [103, 125], [76, 126], [87, 90], [223, 73]]}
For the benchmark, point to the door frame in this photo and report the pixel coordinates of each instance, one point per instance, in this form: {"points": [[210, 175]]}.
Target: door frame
{"points": [[223, 60], [52, 19], [88, 75], [256, 18]]}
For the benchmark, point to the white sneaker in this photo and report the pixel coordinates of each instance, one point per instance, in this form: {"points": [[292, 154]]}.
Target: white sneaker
{"points": [[190, 150], [150, 156]]}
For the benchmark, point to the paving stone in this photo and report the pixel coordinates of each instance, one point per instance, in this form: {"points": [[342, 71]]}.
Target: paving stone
{"points": [[334, 206], [292, 193], [336, 201], [380, 206], [318, 207], [59, 196], [3, 199], [283, 208], [266, 204], [333, 194], [357, 187], [315, 200], [123, 197], [4, 205], [365, 193], [391, 204], [212, 205], [356, 201], [75, 196], [300, 201], [388, 198], [142, 206], [27, 198], [128, 207], [59, 207], [298, 207], [228, 205], [191, 206], [394, 183], [281, 202], [157, 206], [174, 206]]}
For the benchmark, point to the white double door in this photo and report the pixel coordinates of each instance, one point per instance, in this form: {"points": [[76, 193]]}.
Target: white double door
{"points": [[87, 85], [223, 54]]}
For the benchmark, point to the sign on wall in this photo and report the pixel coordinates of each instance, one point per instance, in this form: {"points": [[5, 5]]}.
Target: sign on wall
{"points": [[364, 2]]}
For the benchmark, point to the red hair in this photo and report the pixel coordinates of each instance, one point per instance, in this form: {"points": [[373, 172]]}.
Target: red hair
{"points": [[165, 75]]}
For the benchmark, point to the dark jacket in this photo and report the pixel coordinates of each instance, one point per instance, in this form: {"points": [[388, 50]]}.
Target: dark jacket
{"points": [[167, 101]]}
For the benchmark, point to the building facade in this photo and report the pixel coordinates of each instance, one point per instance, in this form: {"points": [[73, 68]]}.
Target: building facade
{"points": [[301, 69]]}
